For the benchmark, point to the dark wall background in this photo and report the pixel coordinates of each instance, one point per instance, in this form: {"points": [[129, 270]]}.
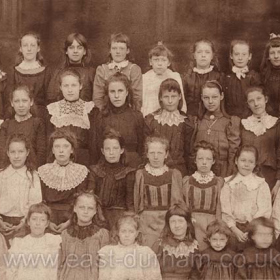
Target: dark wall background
{"points": [[177, 22]]}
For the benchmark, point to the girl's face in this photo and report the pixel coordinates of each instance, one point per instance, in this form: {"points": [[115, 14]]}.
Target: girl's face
{"points": [[112, 150], [263, 237], [204, 161], [85, 209], [246, 163], [29, 48], [21, 103], [17, 154], [274, 56], [170, 100], [75, 52], [203, 55], [257, 103], [62, 150], [38, 222], [240, 55], [159, 64], [117, 93], [70, 87], [178, 226], [211, 98], [118, 51], [156, 154], [218, 241], [128, 233]]}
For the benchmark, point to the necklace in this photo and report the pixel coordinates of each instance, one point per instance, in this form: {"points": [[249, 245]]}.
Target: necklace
{"points": [[211, 124]]}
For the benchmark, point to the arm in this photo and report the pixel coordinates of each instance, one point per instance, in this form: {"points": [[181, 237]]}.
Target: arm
{"points": [[139, 192], [188, 138], [130, 180], [136, 86], [219, 208], [186, 188], [177, 188], [40, 142], [140, 134], [35, 193], [105, 263], [264, 202], [151, 272], [91, 180], [276, 214], [99, 87]]}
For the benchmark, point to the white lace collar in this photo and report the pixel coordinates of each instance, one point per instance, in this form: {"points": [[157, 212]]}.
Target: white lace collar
{"points": [[64, 113], [62, 178], [118, 65], [259, 125], [251, 181], [240, 72], [203, 71], [182, 250], [170, 118], [203, 179], [156, 171], [29, 66], [18, 119]]}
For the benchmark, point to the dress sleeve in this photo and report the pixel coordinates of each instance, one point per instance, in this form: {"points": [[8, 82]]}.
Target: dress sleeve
{"points": [[105, 237], [264, 201], [62, 253], [140, 133], [3, 139], [35, 193], [99, 87], [91, 179], [177, 188], [179, 80], [277, 143], [218, 207], [186, 189], [241, 272], [255, 79], [136, 86], [41, 142], [3, 251], [130, 180], [139, 192], [3, 88], [14, 251], [104, 263], [188, 143], [276, 214], [151, 272]]}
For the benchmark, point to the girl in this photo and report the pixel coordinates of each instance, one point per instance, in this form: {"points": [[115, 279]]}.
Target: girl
{"points": [[204, 66], [61, 178], [157, 187], [239, 79], [217, 261], [119, 45], [111, 180], [270, 72], [83, 239], [43, 247], [160, 58], [26, 123], [245, 196], [215, 126], [128, 259], [202, 191], [30, 70], [263, 131], [117, 114], [171, 123], [261, 260], [75, 114], [77, 56], [19, 186], [177, 247]]}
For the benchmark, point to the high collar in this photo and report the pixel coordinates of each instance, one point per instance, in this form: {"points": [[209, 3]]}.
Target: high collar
{"points": [[203, 71], [216, 114], [156, 171], [118, 110]]}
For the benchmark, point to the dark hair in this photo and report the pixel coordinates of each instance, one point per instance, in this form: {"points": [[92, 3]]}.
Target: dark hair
{"points": [[161, 50], [62, 133], [178, 210], [81, 40], [204, 145], [41, 208], [260, 89], [119, 38], [212, 84], [39, 57], [127, 217], [241, 42], [218, 226]]}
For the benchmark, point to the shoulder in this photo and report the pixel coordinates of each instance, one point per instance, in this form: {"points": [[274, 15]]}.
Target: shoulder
{"points": [[234, 121], [134, 67], [53, 240], [186, 180], [106, 250], [145, 250], [53, 107]]}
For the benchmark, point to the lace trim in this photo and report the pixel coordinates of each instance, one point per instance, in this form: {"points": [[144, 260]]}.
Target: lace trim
{"points": [[156, 171], [65, 113], [259, 125], [203, 71], [182, 250], [170, 118], [118, 66], [21, 119], [82, 232], [203, 179], [240, 72], [62, 178]]}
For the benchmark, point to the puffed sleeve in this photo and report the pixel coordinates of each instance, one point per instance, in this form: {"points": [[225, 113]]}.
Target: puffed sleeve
{"points": [[99, 87], [234, 140], [136, 86], [139, 192], [177, 188], [276, 214], [40, 142]]}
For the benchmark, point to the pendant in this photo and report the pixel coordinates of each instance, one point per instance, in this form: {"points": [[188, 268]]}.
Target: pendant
{"points": [[208, 131]]}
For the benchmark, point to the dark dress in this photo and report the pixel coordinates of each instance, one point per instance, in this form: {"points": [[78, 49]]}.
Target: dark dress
{"points": [[4, 98]]}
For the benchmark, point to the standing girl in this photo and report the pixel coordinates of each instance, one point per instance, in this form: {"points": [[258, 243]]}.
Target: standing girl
{"points": [[177, 247], [74, 114], [160, 58], [19, 186], [85, 236], [204, 66], [169, 122], [43, 247], [61, 178], [119, 45], [77, 56], [202, 192], [157, 187], [215, 126], [114, 261], [111, 180], [245, 196], [26, 123], [118, 114], [239, 79]]}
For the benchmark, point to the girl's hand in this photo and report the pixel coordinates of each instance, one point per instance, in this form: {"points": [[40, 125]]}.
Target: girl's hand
{"points": [[240, 235], [53, 227], [63, 226], [5, 227], [19, 226]]}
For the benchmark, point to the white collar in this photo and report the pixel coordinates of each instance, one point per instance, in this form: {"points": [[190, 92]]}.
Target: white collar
{"points": [[156, 171], [203, 71], [118, 65], [240, 72], [259, 125], [10, 171], [203, 179], [251, 181], [182, 250], [29, 66], [170, 118]]}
